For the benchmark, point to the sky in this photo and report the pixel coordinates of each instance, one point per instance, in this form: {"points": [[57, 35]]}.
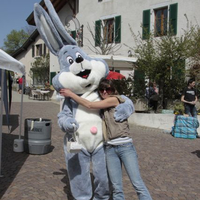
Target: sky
{"points": [[13, 15]]}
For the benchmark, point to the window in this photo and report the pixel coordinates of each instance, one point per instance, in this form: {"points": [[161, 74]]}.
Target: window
{"points": [[164, 19], [108, 32], [73, 34], [111, 29], [33, 51], [38, 50], [160, 25], [44, 47], [77, 35]]}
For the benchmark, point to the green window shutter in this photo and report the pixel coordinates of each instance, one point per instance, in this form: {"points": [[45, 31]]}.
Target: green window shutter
{"points": [[138, 74], [33, 51], [97, 33], [44, 49], [146, 24], [173, 18], [73, 34], [118, 29], [139, 82], [52, 74], [40, 50]]}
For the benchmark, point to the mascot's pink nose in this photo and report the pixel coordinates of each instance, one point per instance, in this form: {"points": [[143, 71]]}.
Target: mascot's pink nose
{"points": [[93, 129]]}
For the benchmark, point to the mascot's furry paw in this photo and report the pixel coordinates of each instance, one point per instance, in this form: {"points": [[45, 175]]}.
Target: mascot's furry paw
{"points": [[124, 110], [69, 125]]}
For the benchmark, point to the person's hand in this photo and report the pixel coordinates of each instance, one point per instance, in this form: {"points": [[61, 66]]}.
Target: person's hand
{"points": [[66, 92], [191, 102]]}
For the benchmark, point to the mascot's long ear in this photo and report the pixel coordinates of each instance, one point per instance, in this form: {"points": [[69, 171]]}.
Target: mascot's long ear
{"points": [[67, 39], [47, 30], [54, 36]]}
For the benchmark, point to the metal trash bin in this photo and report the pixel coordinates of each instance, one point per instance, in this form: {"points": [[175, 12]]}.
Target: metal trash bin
{"points": [[37, 137]]}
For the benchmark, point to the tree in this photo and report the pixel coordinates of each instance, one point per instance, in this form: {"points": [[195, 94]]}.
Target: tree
{"points": [[194, 61], [163, 60], [40, 70], [15, 39]]}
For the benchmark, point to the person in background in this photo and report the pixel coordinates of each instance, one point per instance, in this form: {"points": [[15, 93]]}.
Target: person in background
{"points": [[155, 88], [47, 85], [152, 96], [20, 82], [149, 92], [189, 98], [118, 143]]}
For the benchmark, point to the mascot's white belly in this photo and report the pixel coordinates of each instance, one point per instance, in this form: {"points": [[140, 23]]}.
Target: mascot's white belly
{"points": [[89, 133]]}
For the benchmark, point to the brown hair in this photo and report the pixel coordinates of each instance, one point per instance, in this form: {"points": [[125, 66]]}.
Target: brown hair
{"points": [[105, 83]]}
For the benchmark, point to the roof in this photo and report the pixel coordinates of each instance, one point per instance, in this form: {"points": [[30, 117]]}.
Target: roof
{"points": [[58, 4]]}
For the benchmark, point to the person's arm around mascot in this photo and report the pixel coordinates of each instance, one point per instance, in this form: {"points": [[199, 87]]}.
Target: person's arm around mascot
{"points": [[122, 111]]}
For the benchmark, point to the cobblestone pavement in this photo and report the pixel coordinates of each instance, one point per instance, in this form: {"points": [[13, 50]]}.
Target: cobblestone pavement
{"points": [[169, 166]]}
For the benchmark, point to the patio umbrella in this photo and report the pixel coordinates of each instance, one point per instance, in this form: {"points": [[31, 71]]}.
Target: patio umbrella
{"points": [[115, 75]]}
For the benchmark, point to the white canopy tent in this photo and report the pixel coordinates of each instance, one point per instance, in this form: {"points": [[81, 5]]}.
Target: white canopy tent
{"points": [[11, 64], [7, 62]]}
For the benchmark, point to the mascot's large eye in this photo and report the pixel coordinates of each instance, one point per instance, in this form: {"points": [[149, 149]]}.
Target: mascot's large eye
{"points": [[70, 60], [78, 55]]}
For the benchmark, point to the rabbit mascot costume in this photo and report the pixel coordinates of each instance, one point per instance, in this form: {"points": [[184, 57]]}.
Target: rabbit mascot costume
{"points": [[81, 74]]}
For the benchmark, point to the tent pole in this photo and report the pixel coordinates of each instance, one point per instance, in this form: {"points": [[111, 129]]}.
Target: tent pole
{"points": [[22, 95], [1, 115]]}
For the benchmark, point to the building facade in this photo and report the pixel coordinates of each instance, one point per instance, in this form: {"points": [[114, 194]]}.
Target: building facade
{"points": [[112, 21]]}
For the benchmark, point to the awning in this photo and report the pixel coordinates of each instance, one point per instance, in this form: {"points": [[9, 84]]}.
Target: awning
{"points": [[118, 62]]}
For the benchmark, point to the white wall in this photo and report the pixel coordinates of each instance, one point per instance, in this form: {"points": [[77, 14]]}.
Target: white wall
{"points": [[131, 12], [26, 58], [160, 121]]}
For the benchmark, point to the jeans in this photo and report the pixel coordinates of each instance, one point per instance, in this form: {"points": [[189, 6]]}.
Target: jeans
{"points": [[190, 110], [126, 154]]}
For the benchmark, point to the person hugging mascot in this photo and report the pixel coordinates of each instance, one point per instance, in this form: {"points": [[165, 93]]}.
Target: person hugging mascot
{"points": [[81, 74]]}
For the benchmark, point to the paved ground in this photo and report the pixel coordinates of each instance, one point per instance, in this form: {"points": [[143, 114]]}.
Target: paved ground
{"points": [[169, 166]]}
